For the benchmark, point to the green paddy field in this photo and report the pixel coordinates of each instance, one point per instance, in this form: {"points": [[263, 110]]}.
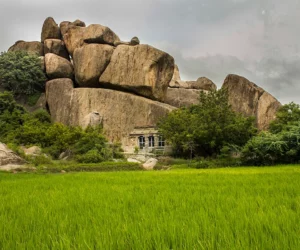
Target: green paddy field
{"points": [[232, 208]]}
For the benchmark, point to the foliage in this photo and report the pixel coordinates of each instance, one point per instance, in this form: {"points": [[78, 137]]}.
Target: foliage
{"points": [[288, 114], [11, 114], [21, 73], [21, 128], [204, 129], [269, 149]]}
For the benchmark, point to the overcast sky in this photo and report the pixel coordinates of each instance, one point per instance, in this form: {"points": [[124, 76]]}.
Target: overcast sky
{"points": [[258, 39]]}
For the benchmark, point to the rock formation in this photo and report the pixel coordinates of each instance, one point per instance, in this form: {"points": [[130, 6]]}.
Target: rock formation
{"points": [[141, 69], [56, 47], [247, 98], [121, 112], [202, 83], [90, 62], [77, 36], [181, 97], [124, 85], [58, 67], [36, 48], [185, 93], [50, 30], [8, 157]]}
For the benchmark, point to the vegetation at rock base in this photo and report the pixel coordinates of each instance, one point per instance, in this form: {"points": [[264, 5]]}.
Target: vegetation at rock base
{"points": [[288, 114], [281, 144], [21, 73], [206, 128], [21, 128], [237, 208]]}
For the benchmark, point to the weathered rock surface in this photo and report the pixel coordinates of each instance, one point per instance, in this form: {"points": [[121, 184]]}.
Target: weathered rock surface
{"points": [[56, 47], [247, 98], [76, 36], [140, 69], [36, 48], [58, 67], [202, 83], [32, 151], [133, 42], [93, 119], [181, 97], [50, 30], [121, 112], [8, 157], [133, 160], [65, 25], [150, 164], [89, 63]]}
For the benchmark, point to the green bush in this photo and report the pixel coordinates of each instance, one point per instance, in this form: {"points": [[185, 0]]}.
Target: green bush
{"points": [[92, 156], [270, 149], [39, 160], [204, 129], [21, 73]]}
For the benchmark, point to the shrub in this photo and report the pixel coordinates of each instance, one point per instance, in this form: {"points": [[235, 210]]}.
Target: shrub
{"points": [[204, 129], [21, 73], [92, 156]]}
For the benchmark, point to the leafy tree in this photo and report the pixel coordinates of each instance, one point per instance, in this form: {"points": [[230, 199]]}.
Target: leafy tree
{"points": [[288, 114], [11, 114], [273, 148], [21, 72], [206, 128]]}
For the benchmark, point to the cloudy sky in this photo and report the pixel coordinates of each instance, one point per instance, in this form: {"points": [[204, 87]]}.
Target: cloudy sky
{"points": [[258, 39]]}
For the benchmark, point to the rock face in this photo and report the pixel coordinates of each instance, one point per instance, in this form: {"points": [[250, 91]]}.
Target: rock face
{"points": [[76, 36], [33, 151], [202, 83], [58, 67], [141, 69], [56, 47], [180, 97], [90, 61], [50, 30], [36, 48], [121, 112], [150, 164], [8, 157], [247, 98], [65, 25]]}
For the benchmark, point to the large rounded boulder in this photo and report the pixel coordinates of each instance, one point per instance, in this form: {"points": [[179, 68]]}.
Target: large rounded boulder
{"points": [[58, 67], [77, 36], [50, 30], [56, 47], [36, 48], [89, 63], [140, 69], [247, 98]]}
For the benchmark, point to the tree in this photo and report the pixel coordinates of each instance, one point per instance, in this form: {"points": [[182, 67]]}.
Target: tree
{"points": [[11, 114], [206, 127], [287, 115], [21, 73]]}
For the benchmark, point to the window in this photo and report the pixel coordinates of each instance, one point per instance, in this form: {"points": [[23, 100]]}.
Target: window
{"points": [[151, 141], [161, 141], [141, 142]]}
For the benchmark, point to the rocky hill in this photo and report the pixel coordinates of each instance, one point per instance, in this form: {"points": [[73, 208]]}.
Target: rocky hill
{"points": [[94, 77]]}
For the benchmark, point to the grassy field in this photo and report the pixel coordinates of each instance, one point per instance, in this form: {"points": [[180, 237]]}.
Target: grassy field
{"points": [[239, 208]]}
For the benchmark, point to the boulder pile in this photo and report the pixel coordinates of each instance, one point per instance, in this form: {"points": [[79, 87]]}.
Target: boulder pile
{"points": [[94, 78]]}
